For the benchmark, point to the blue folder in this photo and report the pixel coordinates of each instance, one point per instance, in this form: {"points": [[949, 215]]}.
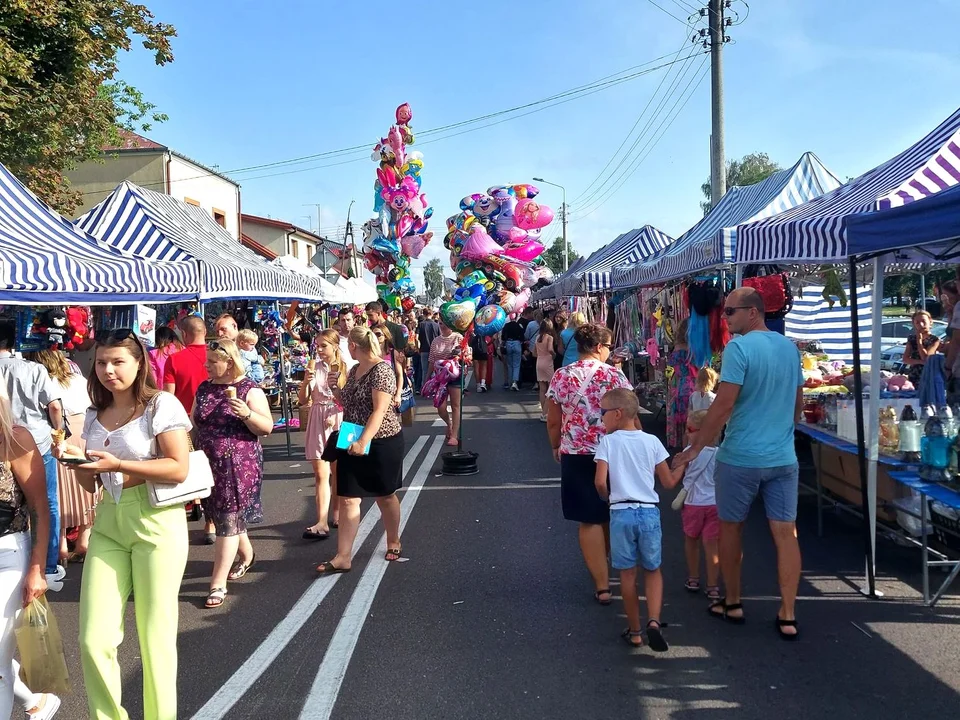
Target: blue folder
{"points": [[350, 433]]}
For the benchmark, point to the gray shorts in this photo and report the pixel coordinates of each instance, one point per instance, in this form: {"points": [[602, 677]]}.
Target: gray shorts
{"points": [[738, 487]]}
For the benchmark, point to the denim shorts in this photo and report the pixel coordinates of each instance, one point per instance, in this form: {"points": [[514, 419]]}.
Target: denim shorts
{"points": [[738, 487], [635, 538]]}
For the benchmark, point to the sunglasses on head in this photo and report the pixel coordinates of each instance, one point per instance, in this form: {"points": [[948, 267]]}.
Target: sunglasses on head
{"points": [[120, 335], [214, 346]]}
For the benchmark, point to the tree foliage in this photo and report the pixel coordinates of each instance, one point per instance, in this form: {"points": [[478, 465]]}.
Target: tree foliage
{"points": [[553, 256], [60, 98], [433, 279], [748, 170]]}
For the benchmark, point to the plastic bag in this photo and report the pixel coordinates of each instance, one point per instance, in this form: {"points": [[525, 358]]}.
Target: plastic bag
{"points": [[43, 665]]}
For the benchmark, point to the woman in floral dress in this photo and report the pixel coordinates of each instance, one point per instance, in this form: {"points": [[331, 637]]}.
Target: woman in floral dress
{"points": [[575, 428], [680, 387], [230, 414]]}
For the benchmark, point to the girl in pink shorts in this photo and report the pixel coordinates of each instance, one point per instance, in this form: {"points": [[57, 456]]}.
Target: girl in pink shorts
{"points": [[699, 514]]}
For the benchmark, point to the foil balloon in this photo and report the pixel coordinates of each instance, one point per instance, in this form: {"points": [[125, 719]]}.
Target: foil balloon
{"points": [[408, 304], [531, 215], [508, 301], [489, 320], [479, 245], [523, 297], [458, 315], [524, 253], [413, 245]]}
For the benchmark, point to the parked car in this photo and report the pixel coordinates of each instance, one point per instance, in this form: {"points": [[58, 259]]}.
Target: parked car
{"points": [[893, 339]]}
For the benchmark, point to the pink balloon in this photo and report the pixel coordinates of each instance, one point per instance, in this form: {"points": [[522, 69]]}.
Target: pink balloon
{"points": [[413, 245], [517, 236], [479, 245], [530, 215], [525, 252], [522, 298]]}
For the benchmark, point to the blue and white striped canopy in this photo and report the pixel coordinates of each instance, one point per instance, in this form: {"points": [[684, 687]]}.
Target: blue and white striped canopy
{"points": [[713, 240], [145, 224], [554, 289], [816, 231], [46, 260], [630, 247], [812, 318]]}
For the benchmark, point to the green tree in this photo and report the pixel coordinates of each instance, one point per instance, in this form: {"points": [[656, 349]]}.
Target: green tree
{"points": [[60, 98], [433, 279], [748, 170], [553, 256]]}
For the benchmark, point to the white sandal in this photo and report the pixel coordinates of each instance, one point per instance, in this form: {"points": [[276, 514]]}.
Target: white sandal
{"points": [[215, 598]]}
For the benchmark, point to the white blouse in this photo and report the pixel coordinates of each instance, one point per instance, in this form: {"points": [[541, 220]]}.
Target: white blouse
{"points": [[136, 439]]}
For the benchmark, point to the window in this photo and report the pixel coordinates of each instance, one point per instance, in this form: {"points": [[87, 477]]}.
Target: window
{"points": [[220, 217], [294, 248], [307, 251], [191, 201]]}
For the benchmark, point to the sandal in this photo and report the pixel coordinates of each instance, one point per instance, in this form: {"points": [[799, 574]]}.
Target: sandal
{"points": [[725, 609], [604, 591], [328, 568], [692, 585], [781, 624], [713, 592], [215, 598], [655, 637], [628, 635], [241, 568], [392, 554], [311, 534]]}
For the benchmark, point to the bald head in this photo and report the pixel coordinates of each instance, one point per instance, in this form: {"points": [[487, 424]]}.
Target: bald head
{"points": [[749, 297], [194, 330], [745, 311]]}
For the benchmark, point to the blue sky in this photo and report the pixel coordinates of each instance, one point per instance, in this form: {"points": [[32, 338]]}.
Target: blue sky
{"points": [[255, 83]]}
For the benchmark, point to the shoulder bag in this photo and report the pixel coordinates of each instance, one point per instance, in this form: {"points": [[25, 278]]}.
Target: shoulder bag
{"points": [[198, 483]]}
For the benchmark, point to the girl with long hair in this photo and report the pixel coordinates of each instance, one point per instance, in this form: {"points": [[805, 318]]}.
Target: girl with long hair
{"points": [[544, 351], [323, 374], [135, 434], [167, 343]]}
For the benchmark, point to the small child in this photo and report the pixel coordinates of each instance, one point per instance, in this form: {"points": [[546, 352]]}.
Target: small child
{"points": [[703, 397], [252, 362], [629, 459], [699, 513]]}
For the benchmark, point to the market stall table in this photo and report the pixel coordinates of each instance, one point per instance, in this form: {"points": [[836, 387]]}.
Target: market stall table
{"points": [[951, 499]]}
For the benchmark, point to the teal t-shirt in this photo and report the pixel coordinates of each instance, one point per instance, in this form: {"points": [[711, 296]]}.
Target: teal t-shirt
{"points": [[759, 434], [570, 351]]}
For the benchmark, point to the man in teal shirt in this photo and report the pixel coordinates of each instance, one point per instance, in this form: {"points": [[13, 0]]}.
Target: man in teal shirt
{"points": [[759, 399]]}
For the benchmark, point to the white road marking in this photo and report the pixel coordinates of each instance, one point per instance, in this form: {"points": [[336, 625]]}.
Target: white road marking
{"points": [[438, 423], [326, 685], [247, 674]]}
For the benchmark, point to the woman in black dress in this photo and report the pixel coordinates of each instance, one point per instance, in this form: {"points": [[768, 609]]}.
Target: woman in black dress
{"points": [[920, 345], [368, 400]]}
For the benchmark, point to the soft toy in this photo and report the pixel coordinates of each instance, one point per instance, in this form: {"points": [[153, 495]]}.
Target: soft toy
{"points": [[446, 371], [78, 323], [55, 327]]}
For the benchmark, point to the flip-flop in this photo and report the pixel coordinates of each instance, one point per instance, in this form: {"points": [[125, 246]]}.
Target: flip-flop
{"points": [[309, 534], [328, 568], [724, 613], [780, 624], [655, 637]]}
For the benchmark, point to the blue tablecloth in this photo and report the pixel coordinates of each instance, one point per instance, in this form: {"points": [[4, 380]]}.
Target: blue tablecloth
{"points": [[821, 436], [934, 491]]}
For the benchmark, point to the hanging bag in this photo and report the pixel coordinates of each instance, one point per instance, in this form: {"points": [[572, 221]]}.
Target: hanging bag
{"points": [[773, 286], [197, 485], [43, 666]]}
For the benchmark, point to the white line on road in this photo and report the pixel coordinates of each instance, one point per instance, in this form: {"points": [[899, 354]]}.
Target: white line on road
{"points": [[243, 679], [326, 686]]}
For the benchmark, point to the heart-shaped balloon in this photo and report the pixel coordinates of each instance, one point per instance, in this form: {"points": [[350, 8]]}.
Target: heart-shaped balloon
{"points": [[530, 215], [525, 252], [458, 315], [489, 320], [479, 245]]}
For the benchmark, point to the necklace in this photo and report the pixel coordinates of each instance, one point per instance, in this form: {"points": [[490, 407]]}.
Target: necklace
{"points": [[126, 420]]}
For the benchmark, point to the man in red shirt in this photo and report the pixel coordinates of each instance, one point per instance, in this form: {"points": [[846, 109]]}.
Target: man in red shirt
{"points": [[183, 377]]}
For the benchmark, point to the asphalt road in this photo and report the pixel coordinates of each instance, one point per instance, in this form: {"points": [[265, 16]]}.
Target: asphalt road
{"points": [[491, 613]]}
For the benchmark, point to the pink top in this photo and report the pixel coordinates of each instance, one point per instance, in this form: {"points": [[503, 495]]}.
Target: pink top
{"points": [[582, 427], [158, 361], [320, 392]]}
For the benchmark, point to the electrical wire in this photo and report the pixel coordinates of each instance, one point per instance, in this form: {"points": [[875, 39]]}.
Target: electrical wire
{"points": [[686, 7], [667, 12]]}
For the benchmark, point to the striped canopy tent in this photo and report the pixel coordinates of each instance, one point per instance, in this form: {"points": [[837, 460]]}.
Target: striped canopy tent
{"points": [[553, 290], [713, 240], [144, 224], [46, 260], [816, 232], [629, 248]]}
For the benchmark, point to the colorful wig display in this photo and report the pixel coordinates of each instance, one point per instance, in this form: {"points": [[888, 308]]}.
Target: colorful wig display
{"points": [[698, 337]]}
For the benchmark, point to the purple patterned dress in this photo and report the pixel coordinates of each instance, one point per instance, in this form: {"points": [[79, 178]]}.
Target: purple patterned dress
{"points": [[235, 455]]}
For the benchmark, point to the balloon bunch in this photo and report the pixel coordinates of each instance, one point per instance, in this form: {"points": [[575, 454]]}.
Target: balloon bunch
{"points": [[495, 251], [399, 231]]}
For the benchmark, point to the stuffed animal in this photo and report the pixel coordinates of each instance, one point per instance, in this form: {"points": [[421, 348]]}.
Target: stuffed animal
{"points": [[54, 327], [78, 325]]}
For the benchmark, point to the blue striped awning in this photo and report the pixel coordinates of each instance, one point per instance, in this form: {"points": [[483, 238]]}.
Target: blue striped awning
{"points": [[816, 231], [630, 247], [713, 240], [145, 224], [812, 318], [46, 260], [555, 289]]}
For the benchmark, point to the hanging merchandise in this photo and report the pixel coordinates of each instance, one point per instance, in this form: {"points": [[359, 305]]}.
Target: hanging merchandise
{"points": [[698, 339], [719, 330], [145, 324], [773, 286]]}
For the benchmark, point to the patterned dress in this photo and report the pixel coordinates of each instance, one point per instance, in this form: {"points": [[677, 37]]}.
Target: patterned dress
{"points": [[235, 455], [681, 387], [914, 372]]}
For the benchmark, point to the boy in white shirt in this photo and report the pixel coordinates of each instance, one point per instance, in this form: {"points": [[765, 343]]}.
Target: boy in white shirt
{"points": [[699, 513], [628, 459]]}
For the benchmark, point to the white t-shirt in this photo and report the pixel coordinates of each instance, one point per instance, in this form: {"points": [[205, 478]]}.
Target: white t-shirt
{"points": [[701, 401], [699, 479], [632, 457], [345, 354]]}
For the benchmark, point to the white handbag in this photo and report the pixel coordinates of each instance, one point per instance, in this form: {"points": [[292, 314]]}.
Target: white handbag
{"points": [[198, 483]]}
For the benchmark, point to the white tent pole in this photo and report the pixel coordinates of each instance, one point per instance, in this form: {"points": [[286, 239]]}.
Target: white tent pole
{"points": [[873, 414], [739, 278]]}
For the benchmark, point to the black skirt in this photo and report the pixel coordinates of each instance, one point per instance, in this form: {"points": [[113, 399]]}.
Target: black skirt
{"points": [[578, 494], [377, 474]]}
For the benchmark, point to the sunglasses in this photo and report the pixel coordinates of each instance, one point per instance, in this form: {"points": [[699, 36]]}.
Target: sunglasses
{"points": [[728, 311], [217, 347], [604, 411], [120, 335]]}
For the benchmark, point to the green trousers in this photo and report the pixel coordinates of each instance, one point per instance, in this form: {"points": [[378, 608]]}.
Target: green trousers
{"points": [[135, 547]]}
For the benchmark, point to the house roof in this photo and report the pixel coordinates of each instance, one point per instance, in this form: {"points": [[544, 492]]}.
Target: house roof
{"points": [[134, 143], [282, 224], [259, 249]]}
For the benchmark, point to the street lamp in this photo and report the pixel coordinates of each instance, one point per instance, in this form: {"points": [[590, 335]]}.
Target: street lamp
{"points": [[563, 218]]}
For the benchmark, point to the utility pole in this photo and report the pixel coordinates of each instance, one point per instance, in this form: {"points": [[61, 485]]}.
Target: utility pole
{"points": [[319, 217], [566, 247], [718, 165]]}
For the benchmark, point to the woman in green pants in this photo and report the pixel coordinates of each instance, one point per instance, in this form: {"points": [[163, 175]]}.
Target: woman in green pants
{"points": [[135, 434]]}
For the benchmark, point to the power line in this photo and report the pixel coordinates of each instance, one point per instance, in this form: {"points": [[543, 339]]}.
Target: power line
{"points": [[667, 12]]}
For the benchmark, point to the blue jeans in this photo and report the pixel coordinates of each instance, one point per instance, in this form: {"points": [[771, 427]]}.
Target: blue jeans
{"points": [[424, 366], [53, 547], [513, 349], [635, 538]]}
